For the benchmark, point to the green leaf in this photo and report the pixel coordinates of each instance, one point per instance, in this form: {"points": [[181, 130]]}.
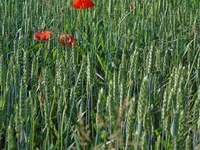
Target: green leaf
{"points": [[78, 145], [35, 46], [102, 42], [187, 47], [54, 54], [101, 63], [1, 102]]}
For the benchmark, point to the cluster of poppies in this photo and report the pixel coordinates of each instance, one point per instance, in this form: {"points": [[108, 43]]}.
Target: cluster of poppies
{"points": [[45, 35]]}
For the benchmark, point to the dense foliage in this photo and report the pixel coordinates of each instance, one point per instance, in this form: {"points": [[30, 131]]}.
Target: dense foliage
{"points": [[131, 81]]}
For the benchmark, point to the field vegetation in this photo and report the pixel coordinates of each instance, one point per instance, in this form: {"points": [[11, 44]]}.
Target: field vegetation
{"points": [[130, 81]]}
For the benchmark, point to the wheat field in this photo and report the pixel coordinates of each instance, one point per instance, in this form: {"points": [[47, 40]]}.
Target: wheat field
{"points": [[130, 82]]}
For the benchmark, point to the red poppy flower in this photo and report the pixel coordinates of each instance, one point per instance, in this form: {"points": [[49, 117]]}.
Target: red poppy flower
{"points": [[63, 39], [70, 40], [81, 4], [44, 35]]}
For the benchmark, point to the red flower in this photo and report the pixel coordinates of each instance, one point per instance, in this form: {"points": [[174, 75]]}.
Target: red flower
{"points": [[81, 4], [44, 35], [70, 40], [63, 39]]}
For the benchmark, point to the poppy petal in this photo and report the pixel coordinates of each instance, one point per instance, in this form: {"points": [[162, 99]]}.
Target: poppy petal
{"points": [[37, 36], [63, 39], [88, 4], [70, 40], [77, 5], [45, 35], [81, 4]]}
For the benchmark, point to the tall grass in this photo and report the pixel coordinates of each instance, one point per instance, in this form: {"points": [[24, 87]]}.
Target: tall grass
{"points": [[132, 81]]}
